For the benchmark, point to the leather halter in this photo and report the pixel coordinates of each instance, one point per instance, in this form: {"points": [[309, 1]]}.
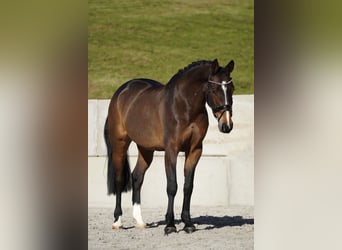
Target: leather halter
{"points": [[226, 106]]}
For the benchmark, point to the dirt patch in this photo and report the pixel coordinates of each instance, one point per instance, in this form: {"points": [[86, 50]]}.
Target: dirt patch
{"points": [[217, 228]]}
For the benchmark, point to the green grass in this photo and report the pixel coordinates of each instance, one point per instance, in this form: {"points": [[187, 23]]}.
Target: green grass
{"points": [[155, 38]]}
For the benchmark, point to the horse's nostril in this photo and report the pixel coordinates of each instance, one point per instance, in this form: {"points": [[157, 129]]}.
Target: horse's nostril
{"points": [[225, 128]]}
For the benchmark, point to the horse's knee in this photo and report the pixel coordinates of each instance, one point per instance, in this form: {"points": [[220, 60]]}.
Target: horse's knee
{"points": [[172, 188], [187, 189], [171, 182]]}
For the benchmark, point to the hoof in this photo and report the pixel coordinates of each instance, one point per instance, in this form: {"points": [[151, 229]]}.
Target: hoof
{"points": [[141, 226], [115, 227], [170, 229], [189, 229], [117, 224]]}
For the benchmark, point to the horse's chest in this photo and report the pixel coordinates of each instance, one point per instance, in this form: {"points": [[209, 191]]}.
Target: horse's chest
{"points": [[190, 135]]}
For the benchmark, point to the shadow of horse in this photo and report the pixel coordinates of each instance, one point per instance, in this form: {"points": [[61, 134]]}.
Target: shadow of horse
{"points": [[212, 222], [219, 222]]}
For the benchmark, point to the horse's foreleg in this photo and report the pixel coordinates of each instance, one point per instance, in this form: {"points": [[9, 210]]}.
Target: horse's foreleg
{"points": [[144, 160], [191, 161], [170, 168]]}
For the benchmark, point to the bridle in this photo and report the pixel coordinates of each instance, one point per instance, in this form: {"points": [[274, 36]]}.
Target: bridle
{"points": [[226, 106]]}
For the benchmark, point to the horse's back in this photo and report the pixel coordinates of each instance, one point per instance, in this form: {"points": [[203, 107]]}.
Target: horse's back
{"points": [[140, 83], [136, 90]]}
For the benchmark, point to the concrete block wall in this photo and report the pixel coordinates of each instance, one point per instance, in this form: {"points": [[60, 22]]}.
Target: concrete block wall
{"points": [[224, 175]]}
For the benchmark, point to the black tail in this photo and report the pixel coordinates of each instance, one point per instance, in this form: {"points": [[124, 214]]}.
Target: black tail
{"points": [[127, 185]]}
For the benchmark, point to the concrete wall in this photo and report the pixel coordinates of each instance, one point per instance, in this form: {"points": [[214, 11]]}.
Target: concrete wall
{"points": [[224, 175]]}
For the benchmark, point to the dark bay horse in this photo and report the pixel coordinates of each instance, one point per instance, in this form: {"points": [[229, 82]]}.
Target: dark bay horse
{"points": [[170, 118]]}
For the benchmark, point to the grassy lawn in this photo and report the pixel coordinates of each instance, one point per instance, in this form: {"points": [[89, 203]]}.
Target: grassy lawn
{"points": [[155, 38]]}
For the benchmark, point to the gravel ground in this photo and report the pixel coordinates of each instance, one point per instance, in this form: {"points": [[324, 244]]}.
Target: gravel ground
{"points": [[217, 228]]}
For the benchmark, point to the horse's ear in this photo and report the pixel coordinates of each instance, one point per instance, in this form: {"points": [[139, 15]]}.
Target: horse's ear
{"points": [[230, 66], [214, 66]]}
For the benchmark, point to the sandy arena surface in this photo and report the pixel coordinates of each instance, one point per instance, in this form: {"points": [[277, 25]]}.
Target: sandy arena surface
{"points": [[217, 228]]}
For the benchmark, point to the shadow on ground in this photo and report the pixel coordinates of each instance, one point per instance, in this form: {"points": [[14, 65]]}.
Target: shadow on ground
{"points": [[212, 222], [219, 222]]}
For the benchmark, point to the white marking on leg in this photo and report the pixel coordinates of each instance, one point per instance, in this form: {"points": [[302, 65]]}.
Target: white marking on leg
{"points": [[117, 224], [137, 215]]}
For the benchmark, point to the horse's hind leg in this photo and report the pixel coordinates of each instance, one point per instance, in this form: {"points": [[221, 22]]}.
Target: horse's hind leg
{"points": [[144, 160], [122, 176]]}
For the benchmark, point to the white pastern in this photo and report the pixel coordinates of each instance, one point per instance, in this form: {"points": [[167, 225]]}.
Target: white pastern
{"points": [[137, 215], [117, 224]]}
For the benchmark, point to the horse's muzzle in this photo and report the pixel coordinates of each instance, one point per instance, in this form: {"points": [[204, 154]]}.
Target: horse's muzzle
{"points": [[224, 128]]}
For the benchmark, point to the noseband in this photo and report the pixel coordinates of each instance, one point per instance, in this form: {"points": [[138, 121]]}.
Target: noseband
{"points": [[226, 106]]}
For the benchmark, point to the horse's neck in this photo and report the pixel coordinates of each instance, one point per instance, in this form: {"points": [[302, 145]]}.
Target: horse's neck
{"points": [[189, 90], [196, 80]]}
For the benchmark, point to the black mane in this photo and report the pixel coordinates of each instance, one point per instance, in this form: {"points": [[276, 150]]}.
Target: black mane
{"points": [[187, 68]]}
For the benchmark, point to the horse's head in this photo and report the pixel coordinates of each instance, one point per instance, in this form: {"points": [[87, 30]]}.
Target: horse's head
{"points": [[220, 94]]}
